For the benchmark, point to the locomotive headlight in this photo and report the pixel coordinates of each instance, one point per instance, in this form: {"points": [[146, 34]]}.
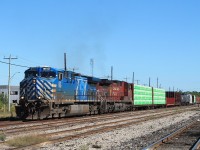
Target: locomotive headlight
{"points": [[39, 97], [22, 97], [34, 81]]}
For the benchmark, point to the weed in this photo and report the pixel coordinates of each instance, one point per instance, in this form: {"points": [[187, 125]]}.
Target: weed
{"points": [[84, 147], [26, 140]]}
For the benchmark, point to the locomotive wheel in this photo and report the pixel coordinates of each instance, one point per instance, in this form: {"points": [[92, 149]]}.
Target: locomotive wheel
{"points": [[52, 115], [101, 110], [38, 114]]}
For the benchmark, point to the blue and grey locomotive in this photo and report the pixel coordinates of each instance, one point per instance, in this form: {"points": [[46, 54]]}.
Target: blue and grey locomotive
{"points": [[47, 91]]}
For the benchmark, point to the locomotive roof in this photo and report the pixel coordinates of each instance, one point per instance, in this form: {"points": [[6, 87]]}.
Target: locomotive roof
{"points": [[45, 68]]}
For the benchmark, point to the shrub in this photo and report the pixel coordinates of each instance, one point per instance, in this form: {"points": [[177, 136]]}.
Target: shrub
{"points": [[2, 137]]}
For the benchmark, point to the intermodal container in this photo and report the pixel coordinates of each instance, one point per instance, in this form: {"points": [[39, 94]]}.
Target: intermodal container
{"points": [[142, 95], [159, 96]]}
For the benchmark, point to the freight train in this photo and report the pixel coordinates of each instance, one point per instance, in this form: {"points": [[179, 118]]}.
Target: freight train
{"points": [[49, 92]]}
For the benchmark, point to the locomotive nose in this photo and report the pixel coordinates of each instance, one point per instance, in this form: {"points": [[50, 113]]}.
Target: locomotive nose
{"points": [[36, 89]]}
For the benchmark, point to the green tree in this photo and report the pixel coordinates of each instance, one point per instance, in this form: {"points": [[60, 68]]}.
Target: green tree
{"points": [[3, 101]]}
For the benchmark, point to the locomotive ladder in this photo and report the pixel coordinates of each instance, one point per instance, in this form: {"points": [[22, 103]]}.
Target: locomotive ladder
{"points": [[99, 97], [103, 104]]}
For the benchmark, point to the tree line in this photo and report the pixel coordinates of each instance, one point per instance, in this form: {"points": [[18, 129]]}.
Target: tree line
{"points": [[193, 93]]}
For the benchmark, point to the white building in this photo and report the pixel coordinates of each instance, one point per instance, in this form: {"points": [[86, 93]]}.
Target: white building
{"points": [[14, 92]]}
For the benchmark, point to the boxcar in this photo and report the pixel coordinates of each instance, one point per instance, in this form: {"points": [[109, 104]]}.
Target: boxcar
{"points": [[197, 99], [173, 98], [187, 99]]}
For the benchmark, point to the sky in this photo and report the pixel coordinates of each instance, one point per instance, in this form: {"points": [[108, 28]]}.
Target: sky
{"points": [[152, 38]]}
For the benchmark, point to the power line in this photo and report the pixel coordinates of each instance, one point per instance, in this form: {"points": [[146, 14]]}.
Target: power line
{"points": [[29, 61], [14, 64]]}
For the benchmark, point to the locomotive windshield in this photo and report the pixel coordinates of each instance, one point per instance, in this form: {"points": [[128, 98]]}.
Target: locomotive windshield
{"points": [[48, 74], [31, 74]]}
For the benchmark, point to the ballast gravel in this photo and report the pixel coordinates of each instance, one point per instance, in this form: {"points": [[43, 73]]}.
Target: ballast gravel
{"points": [[136, 136]]}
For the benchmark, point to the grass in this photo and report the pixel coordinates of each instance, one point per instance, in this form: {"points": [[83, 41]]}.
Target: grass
{"points": [[26, 140], [6, 114]]}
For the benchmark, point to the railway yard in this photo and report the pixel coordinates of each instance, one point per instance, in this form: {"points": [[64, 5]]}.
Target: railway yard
{"points": [[125, 130], [99, 75]]}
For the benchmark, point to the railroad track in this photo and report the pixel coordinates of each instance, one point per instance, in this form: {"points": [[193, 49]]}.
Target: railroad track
{"points": [[184, 138], [93, 125], [80, 132], [10, 124], [57, 125], [69, 123]]}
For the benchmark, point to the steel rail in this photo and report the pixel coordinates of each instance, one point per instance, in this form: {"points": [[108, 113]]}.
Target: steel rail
{"points": [[196, 145], [168, 137], [104, 119]]}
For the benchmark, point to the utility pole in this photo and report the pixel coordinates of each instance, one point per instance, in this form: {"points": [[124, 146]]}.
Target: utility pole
{"points": [[126, 78], [149, 81], [133, 78], [157, 82], [111, 78], [92, 65], [74, 68], [9, 58], [137, 81]]}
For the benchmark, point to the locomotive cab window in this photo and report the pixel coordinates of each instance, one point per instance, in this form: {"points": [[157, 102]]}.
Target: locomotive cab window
{"points": [[60, 76], [48, 74], [31, 74]]}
